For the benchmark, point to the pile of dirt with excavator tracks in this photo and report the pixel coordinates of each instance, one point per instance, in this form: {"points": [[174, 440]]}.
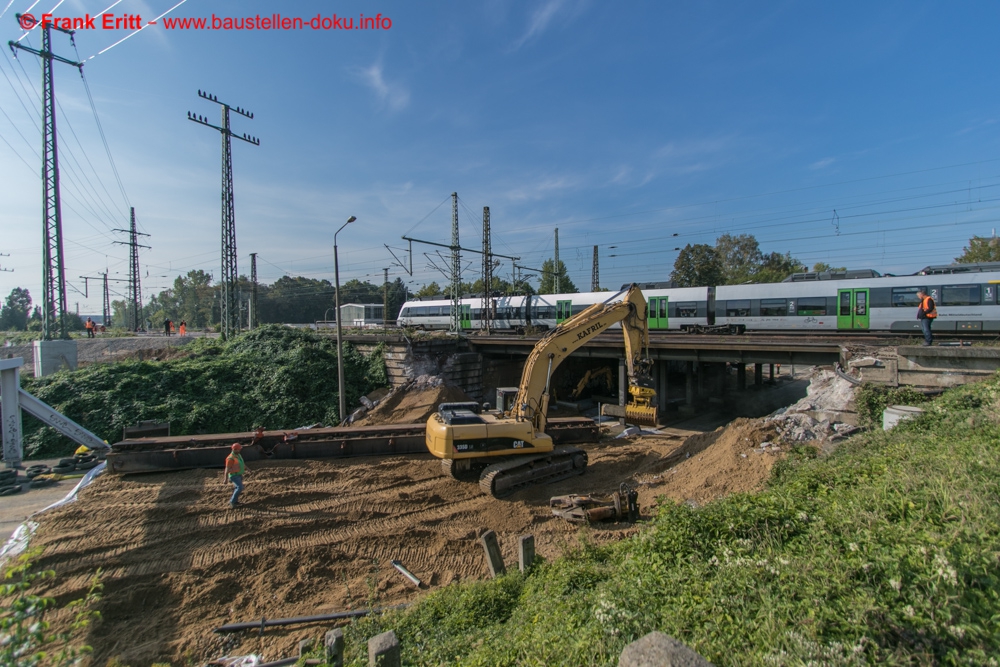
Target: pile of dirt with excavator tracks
{"points": [[317, 537]]}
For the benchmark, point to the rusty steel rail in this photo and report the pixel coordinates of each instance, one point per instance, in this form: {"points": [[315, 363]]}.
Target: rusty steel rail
{"points": [[181, 452]]}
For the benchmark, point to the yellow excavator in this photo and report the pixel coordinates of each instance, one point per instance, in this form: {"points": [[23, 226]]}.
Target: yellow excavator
{"points": [[510, 450]]}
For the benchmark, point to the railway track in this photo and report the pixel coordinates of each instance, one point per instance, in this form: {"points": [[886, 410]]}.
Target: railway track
{"points": [[209, 451]]}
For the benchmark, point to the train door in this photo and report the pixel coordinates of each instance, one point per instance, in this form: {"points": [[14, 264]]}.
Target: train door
{"points": [[852, 309], [658, 312], [564, 310], [466, 316]]}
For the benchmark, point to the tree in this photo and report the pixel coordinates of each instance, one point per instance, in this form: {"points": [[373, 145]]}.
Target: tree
{"points": [[776, 267], [740, 258], [16, 309], [697, 266], [981, 249], [547, 283], [428, 291], [820, 267]]}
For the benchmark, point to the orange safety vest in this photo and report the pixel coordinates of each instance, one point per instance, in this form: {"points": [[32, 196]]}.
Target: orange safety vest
{"points": [[928, 308], [234, 465]]}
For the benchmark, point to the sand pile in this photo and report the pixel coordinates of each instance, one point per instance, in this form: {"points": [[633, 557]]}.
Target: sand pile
{"points": [[732, 459], [413, 402]]}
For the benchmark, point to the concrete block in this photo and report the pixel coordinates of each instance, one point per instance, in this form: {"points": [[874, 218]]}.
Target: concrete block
{"points": [[334, 644], [659, 650], [383, 650], [525, 552], [54, 355], [305, 645], [494, 559]]}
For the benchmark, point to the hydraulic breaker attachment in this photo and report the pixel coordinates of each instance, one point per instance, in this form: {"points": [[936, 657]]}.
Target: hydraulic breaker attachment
{"points": [[623, 504]]}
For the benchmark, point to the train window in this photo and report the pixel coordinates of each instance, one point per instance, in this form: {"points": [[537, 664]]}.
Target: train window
{"points": [[845, 304], [405, 312], [687, 309], [738, 308], [905, 297], [420, 311], [773, 308], [813, 306], [960, 295]]}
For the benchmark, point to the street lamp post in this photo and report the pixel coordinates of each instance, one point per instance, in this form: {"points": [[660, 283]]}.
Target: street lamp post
{"points": [[340, 363]]}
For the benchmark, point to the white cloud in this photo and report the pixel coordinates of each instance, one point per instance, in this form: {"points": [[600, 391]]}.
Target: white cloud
{"points": [[543, 188], [539, 21], [822, 164], [393, 96]]}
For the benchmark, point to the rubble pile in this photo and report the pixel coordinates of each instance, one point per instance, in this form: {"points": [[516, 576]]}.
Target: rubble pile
{"points": [[825, 414]]}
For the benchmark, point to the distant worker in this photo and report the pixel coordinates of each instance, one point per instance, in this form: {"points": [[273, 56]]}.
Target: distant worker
{"points": [[926, 312], [167, 325], [89, 326], [234, 471], [184, 328]]}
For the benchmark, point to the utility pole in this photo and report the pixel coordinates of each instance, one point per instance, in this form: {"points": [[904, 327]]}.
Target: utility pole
{"points": [[133, 298], [456, 269], [595, 274], [107, 294], [230, 314], [252, 320], [106, 310], [53, 269], [487, 310], [555, 267], [385, 298]]}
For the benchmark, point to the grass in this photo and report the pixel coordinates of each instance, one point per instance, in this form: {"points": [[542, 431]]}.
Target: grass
{"points": [[885, 552], [275, 376]]}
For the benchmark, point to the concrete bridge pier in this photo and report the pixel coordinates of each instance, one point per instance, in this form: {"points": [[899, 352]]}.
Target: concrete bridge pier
{"points": [[689, 384], [758, 375], [741, 376]]}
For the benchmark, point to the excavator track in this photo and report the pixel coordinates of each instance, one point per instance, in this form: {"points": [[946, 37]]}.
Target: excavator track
{"points": [[506, 477]]}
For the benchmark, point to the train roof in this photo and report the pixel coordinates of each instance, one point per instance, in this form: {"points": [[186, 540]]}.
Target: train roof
{"points": [[854, 274], [975, 267]]}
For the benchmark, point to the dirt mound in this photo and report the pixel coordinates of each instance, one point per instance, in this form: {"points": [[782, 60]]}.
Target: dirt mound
{"points": [[732, 459], [413, 402]]}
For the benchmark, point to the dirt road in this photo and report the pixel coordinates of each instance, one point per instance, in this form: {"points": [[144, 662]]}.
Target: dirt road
{"points": [[317, 537]]}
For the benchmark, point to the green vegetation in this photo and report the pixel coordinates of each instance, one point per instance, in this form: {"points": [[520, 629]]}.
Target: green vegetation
{"points": [[871, 400], [734, 260], [885, 552], [274, 377], [25, 640]]}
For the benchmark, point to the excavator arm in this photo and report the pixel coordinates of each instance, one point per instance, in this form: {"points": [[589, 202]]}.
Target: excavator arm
{"points": [[532, 401]]}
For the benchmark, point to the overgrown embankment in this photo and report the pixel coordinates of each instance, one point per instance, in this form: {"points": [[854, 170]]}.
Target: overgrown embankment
{"points": [[885, 552], [275, 377]]}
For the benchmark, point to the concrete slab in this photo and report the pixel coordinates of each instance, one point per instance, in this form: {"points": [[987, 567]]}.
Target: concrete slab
{"points": [[15, 510]]}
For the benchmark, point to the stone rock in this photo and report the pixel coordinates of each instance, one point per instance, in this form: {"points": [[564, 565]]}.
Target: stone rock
{"points": [[659, 650]]}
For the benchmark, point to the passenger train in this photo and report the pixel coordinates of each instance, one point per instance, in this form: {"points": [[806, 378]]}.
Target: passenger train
{"points": [[965, 295]]}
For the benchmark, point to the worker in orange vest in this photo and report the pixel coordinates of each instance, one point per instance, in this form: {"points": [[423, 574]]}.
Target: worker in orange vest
{"points": [[234, 471], [926, 312], [89, 326]]}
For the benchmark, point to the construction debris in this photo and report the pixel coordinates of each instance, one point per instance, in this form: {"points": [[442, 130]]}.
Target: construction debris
{"points": [[623, 504]]}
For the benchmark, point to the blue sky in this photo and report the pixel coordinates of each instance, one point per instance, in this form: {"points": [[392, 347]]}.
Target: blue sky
{"points": [[859, 134]]}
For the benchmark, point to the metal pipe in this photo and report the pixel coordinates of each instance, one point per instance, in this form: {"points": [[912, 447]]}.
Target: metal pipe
{"points": [[406, 573], [298, 620]]}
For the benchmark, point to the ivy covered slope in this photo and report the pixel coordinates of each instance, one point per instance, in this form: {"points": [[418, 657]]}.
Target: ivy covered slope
{"points": [[886, 552], [275, 376]]}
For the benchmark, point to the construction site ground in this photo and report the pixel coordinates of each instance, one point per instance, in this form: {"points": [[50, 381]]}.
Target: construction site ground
{"points": [[315, 537]]}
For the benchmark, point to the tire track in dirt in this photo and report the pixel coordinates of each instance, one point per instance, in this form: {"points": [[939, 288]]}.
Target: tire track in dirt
{"points": [[312, 537]]}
